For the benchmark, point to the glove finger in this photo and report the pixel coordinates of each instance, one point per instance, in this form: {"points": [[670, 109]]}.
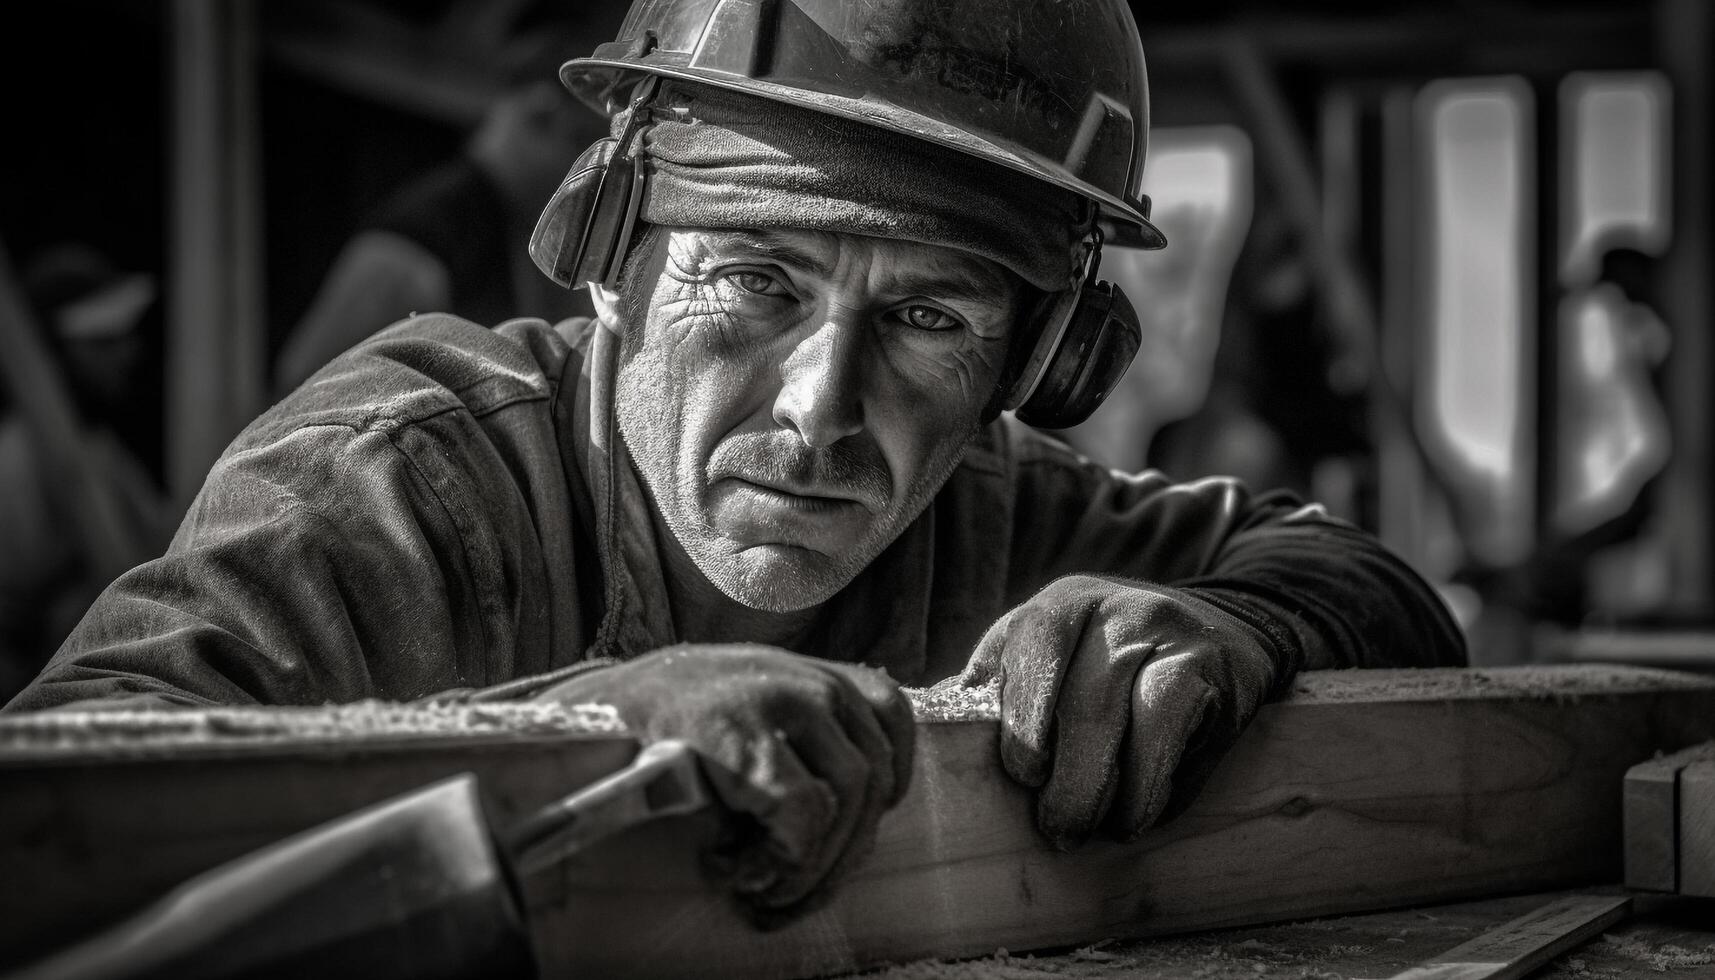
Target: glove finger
{"points": [[1040, 640], [888, 736], [1222, 724], [984, 665], [1171, 706], [1090, 730], [830, 756]]}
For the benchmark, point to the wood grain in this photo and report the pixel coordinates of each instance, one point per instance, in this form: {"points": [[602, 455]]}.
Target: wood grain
{"points": [[1669, 806], [1697, 828], [1363, 790], [1650, 803]]}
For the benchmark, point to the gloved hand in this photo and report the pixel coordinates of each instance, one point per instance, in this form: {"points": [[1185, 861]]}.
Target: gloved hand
{"points": [[1118, 697], [814, 751]]}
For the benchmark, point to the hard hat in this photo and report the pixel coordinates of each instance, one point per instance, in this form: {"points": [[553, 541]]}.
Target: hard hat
{"points": [[1050, 88]]}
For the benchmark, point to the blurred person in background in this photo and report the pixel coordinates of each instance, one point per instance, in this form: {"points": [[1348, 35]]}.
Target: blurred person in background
{"points": [[1274, 411], [455, 238], [1614, 440], [102, 328]]}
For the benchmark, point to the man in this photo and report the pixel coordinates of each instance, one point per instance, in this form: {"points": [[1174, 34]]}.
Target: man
{"points": [[773, 478]]}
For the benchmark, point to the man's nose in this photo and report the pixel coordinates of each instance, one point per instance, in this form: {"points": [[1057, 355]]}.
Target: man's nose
{"points": [[821, 395]]}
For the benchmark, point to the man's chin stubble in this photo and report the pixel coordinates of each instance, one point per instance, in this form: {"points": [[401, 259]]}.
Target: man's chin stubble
{"points": [[764, 582]]}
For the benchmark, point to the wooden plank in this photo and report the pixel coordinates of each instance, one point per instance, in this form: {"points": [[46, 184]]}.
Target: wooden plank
{"points": [[1655, 812], [1363, 790], [1650, 801], [102, 814], [1697, 828], [1514, 949]]}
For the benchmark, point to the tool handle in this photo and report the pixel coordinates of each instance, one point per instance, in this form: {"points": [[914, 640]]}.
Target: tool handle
{"points": [[664, 780]]}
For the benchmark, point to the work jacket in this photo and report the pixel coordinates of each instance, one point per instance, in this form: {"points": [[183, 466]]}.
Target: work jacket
{"points": [[447, 507]]}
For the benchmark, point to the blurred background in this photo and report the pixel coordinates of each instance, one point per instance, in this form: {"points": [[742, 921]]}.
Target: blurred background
{"points": [[1443, 266]]}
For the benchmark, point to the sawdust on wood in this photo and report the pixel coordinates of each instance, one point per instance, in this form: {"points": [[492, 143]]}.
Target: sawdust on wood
{"points": [[363, 720], [952, 701], [1703, 752]]}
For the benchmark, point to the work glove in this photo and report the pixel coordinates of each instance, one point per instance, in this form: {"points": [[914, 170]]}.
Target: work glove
{"points": [[807, 752], [1118, 698]]}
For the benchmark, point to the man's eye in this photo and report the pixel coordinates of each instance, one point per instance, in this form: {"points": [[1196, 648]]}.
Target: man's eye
{"points": [[928, 318], [760, 283]]}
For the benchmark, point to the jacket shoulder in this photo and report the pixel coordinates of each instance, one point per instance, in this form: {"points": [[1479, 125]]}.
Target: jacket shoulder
{"points": [[422, 367]]}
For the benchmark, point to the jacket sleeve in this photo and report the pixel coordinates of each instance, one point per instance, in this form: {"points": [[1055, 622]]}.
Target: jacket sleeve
{"points": [[1325, 591], [380, 542], [267, 597]]}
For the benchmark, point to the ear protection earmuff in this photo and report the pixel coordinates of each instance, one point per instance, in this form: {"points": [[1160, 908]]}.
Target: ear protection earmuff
{"points": [[1088, 340], [582, 234]]}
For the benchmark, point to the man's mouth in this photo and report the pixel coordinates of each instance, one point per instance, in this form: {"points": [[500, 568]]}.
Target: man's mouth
{"points": [[814, 500], [774, 469], [754, 513]]}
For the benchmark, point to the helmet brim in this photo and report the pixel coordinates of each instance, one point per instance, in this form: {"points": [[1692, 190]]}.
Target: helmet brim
{"points": [[601, 83]]}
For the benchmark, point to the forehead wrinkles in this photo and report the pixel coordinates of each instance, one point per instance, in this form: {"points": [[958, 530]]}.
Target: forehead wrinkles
{"points": [[817, 252], [942, 269], [687, 251]]}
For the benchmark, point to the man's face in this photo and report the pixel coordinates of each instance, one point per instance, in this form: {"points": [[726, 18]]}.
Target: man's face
{"points": [[794, 399]]}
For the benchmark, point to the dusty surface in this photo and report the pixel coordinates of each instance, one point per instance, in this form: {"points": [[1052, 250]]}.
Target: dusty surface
{"points": [[57, 731], [948, 701], [1697, 753], [945, 702], [1665, 938]]}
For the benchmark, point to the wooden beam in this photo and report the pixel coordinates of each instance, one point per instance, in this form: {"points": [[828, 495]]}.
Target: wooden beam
{"points": [[1697, 828], [1650, 802], [1423, 44], [104, 812], [1670, 823], [1685, 35], [217, 332], [1363, 790]]}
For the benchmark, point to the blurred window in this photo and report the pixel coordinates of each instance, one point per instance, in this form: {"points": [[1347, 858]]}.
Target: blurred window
{"points": [[1612, 430], [1476, 407], [1200, 180], [1614, 155]]}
